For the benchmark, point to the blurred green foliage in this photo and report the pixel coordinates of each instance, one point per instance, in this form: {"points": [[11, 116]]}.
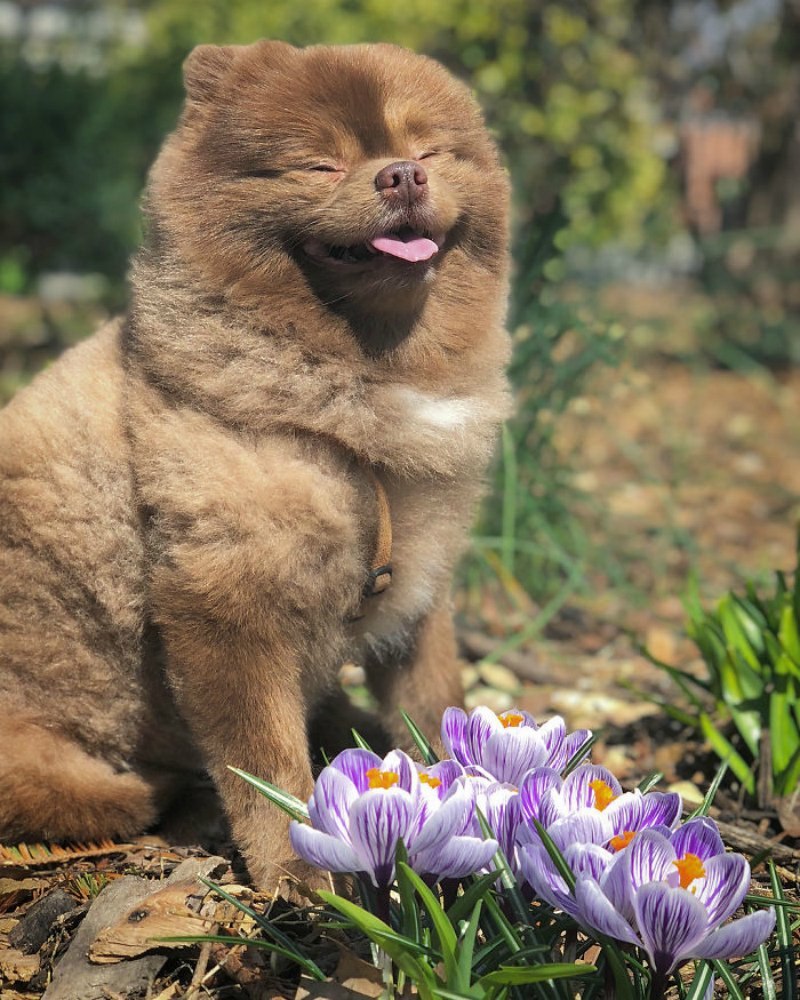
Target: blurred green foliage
{"points": [[561, 89]]}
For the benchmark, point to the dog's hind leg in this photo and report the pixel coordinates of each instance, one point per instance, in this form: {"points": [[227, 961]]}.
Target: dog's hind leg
{"points": [[52, 790]]}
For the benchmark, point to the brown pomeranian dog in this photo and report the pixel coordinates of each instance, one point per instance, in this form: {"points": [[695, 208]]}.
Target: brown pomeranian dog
{"points": [[270, 465]]}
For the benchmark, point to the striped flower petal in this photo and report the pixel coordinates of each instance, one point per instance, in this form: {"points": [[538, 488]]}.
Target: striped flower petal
{"points": [[594, 910], [454, 734], [354, 764], [532, 789], [721, 891], [481, 724], [672, 922], [578, 791], [378, 819], [323, 850], [739, 937], [510, 753], [649, 858], [456, 857], [329, 806], [698, 836]]}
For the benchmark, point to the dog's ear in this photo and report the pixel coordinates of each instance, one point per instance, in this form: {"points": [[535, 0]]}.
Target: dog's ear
{"points": [[205, 68]]}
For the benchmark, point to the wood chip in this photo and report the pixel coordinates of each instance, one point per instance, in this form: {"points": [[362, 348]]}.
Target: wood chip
{"points": [[16, 967]]}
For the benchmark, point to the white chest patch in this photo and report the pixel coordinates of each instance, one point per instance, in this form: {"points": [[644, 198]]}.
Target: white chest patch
{"points": [[436, 411]]}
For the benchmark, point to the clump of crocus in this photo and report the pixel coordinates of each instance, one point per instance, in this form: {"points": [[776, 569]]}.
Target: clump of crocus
{"points": [[668, 892], [507, 745], [364, 805]]}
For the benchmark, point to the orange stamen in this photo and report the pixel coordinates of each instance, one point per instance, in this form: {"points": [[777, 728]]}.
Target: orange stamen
{"points": [[689, 868], [382, 779], [511, 719], [603, 795], [621, 842], [428, 779]]}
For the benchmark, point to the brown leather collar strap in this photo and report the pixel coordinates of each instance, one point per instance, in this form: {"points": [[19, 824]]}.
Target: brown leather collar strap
{"points": [[380, 576]]}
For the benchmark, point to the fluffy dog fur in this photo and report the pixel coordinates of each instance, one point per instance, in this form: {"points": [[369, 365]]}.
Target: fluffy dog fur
{"points": [[187, 509]]}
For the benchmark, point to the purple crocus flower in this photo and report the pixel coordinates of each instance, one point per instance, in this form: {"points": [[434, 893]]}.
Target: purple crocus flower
{"points": [[363, 805], [551, 800], [508, 745], [670, 893]]}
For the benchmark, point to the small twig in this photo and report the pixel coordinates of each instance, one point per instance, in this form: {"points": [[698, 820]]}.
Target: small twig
{"points": [[198, 976]]}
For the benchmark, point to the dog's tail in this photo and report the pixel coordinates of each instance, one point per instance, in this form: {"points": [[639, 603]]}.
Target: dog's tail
{"points": [[52, 790]]}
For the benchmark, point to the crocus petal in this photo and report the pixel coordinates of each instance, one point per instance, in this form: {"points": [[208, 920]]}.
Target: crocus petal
{"points": [[329, 808], [625, 812], [585, 826], [323, 850], [510, 753], [404, 767], [446, 772], [537, 869], [553, 732], [453, 814], [588, 860], [671, 921], [726, 882], [660, 809], [378, 819], [577, 790], [596, 912], [455, 857], [739, 937], [482, 722], [698, 836], [532, 788], [454, 734], [500, 807], [616, 885], [354, 764], [574, 741], [649, 858], [552, 806]]}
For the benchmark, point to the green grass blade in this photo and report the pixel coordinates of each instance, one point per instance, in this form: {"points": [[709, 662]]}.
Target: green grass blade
{"points": [[768, 991], [360, 742], [783, 935], [583, 751], [725, 750], [290, 804], [420, 739], [464, 904], [466, 950], [410, 923], [445, 932], [310, 967], [713, 788], [514, 975], [556, 856], [725, 973], [649, 781], [399, 949], [703, 976]]}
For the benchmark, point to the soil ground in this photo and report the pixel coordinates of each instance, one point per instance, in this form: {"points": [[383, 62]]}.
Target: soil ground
{"points": [[679, 468]]}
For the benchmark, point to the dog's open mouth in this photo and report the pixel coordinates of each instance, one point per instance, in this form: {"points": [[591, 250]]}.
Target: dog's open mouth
{"points": [[405, 244]]}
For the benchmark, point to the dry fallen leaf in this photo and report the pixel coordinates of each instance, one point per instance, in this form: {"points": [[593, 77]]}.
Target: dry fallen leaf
{"points": [[164, 913]]}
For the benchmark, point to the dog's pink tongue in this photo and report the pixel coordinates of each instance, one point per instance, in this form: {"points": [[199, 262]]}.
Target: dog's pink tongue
{"points": [[411, 248]]}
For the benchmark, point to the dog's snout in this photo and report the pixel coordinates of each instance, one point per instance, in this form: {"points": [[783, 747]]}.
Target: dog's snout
{"points": [[405, 179]]}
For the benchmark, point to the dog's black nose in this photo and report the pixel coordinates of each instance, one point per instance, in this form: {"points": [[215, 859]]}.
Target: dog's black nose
{"points": [[405, 180]]}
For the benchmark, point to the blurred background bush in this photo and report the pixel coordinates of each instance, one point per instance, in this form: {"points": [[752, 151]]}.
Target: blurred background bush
{"points": [[654, 148]]}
